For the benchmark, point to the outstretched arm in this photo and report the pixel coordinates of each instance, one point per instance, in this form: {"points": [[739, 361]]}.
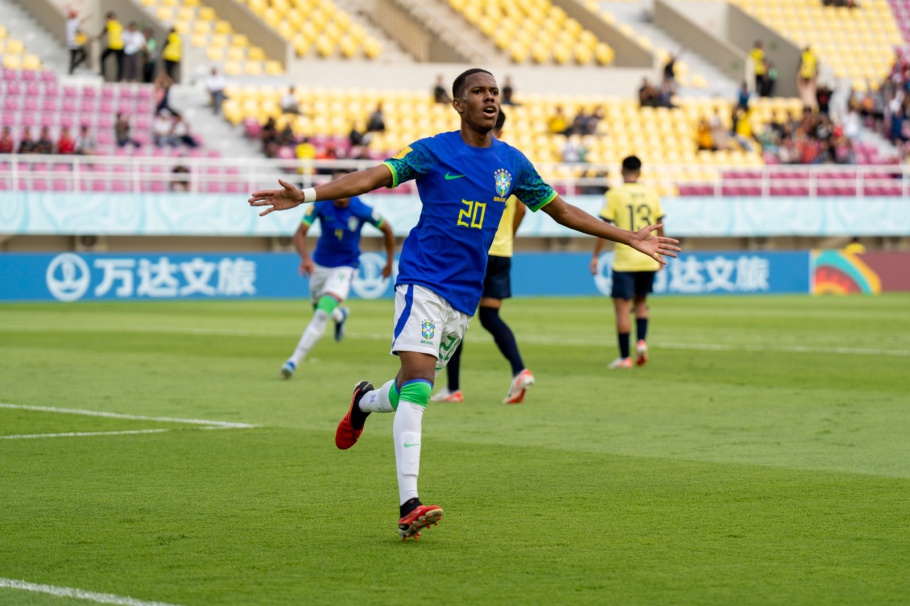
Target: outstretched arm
{"points": [[642, 240], [388, 237], [353, 184]]}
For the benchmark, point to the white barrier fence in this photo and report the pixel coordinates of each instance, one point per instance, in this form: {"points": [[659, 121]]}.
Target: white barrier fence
{"points": [[137, 174]]}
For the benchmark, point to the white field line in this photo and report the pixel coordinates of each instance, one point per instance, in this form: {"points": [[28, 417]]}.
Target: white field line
{"points": [[117, 415], [524, 338], [81, 434], [79, 594]]}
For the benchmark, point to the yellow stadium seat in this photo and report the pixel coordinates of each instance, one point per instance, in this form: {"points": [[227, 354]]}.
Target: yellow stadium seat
{"points": [[12, 62], [215, 54], [165, 13], [240, 40], [255, 53], [2, 32], [199, 40], [185, 13], [203, 28], [371, 47], [223, 27], [235, 53], [31, 62], [218, 40], [253, 68], [273, 68], [14, 47], [206, 13]]}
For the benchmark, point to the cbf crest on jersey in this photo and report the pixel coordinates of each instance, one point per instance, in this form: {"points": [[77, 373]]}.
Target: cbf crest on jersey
{"points": [[503, 183], [428, 329], [353, 223]]}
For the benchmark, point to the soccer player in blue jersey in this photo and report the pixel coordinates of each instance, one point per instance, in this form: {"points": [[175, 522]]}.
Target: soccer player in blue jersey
{"points": [[464, 179], [332, 267]]}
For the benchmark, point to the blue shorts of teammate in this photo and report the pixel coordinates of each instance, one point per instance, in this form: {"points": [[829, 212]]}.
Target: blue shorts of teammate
{"points": [[497, 283], [630, 284]]}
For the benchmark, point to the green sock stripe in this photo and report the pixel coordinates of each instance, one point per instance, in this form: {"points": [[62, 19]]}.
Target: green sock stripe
{"points": [[417, 391], [394, 396], [327, 304]]}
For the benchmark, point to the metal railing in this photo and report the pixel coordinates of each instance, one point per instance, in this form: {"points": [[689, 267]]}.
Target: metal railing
{"points": [[149, 174]]}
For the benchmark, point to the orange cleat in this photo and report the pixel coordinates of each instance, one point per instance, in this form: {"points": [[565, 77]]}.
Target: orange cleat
{"points": [[622, 363], [641, 353], [519, 385], [351, 426]]}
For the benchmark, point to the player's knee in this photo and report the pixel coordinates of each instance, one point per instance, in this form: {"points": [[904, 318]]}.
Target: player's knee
{"points": [[416, 391], [327, 303], [489, 317], [321, 316]]}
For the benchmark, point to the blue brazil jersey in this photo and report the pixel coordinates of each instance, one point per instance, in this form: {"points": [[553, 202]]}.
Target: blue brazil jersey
{"points": [[464, 191], [339, 242]]}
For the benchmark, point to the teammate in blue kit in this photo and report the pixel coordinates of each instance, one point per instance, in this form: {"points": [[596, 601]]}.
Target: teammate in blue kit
{"points": [[464, 179], [333, 265]]}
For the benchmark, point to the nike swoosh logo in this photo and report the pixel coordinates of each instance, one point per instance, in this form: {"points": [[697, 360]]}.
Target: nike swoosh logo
{"points": [[406, 445], [449, 176]]}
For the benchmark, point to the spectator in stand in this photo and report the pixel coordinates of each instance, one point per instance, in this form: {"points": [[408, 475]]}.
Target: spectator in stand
{"points": [[66, 144], [44, 145], [742, 128], [149, 56], [26, 143], [703, 136], [593, 121], [289, 103], [133, 46], [357, 138], [287, 137], [440, 94], [215, 84], [719, 132], [807, 80], [578, 123], [172, 54], [163, 84], [122, 130], [376, 122], [665, 96], [7, 145], [269, 138], [114, 46], [744, 96], [757, 54], [305, 151], [161, 129], [647, 94], [85, 143], [771, 76], [852, 123], [670, 72], [75, 40], [557, 124], [180, 185], [573, 152], [823, 98], [507, 92], [180, 132]]}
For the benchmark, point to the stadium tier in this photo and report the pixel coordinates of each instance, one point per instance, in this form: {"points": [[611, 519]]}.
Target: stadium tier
{"points": [[14, 55], [858, 43], [535, 30], [317, 28], [901, 11], [223, 46]]}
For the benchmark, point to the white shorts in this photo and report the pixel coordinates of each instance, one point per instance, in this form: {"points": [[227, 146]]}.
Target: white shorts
{"points": [[335, 281], [425, 322]]}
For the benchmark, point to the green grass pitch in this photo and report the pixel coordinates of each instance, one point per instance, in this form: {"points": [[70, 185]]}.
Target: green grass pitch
{"points": [[761, 457]]}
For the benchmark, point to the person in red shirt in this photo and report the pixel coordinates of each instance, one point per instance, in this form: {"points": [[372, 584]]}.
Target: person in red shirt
{"points": [[66, 144], [7, 145]]}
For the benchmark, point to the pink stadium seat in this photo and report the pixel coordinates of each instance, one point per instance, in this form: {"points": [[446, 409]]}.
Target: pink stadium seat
{"points": [[68, 106], [157, 186], [13, 88], [213, 187], [106, 107], [119, 186], [108, 91], [48, 76], [60, 185], [32, 89], [29, 76], [9, 119], [234, 187], [10, 104], [105, 138]]}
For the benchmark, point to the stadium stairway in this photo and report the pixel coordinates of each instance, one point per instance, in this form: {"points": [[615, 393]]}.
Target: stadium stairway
{"points": [[20, 24], [637, 14], [192, 100], [392, 53]]}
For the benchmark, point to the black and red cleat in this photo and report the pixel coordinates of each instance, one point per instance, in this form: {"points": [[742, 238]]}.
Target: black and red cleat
{"points": [[409, 526], [351, 426]]}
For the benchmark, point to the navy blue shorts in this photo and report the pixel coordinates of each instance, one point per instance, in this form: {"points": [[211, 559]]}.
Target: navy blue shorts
{"points": [[497, 284], [629, 284]]}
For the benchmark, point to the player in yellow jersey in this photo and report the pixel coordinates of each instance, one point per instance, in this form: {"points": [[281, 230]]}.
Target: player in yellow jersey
{"points": [[631, 206], [497, 286], [114, 46], [757, 54]]}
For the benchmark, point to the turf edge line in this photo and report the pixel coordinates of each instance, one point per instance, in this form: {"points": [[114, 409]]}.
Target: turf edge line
{"points": [[117, 415], [69, 592], [81, 434]]}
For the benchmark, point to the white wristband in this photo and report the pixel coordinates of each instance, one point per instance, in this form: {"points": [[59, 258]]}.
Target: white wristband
{"points": [[309, 194]]}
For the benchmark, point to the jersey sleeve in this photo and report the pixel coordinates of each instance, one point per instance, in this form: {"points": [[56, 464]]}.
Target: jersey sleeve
{"points": [[411, 162], [530, 188], [310, 216], [608, 213], [368, 214]]}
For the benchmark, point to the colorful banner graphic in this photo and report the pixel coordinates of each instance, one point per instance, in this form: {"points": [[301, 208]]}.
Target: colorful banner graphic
{"points": [[841, 272]]}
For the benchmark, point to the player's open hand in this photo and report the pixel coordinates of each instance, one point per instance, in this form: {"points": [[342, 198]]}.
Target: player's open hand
{"points": [[278, 199], [306, 267], [387, 270], [593, 266], [655, 247]]}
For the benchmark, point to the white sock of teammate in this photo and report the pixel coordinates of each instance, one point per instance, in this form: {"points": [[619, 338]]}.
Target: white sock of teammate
{"points": [[380, 400], [406, 435], [312, 334]]}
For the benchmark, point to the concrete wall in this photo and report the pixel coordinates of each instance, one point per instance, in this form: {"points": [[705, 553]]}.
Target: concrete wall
{"points": [[628, 52], [401, 24], [709, 16], [743, 30], [723, 55]]}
